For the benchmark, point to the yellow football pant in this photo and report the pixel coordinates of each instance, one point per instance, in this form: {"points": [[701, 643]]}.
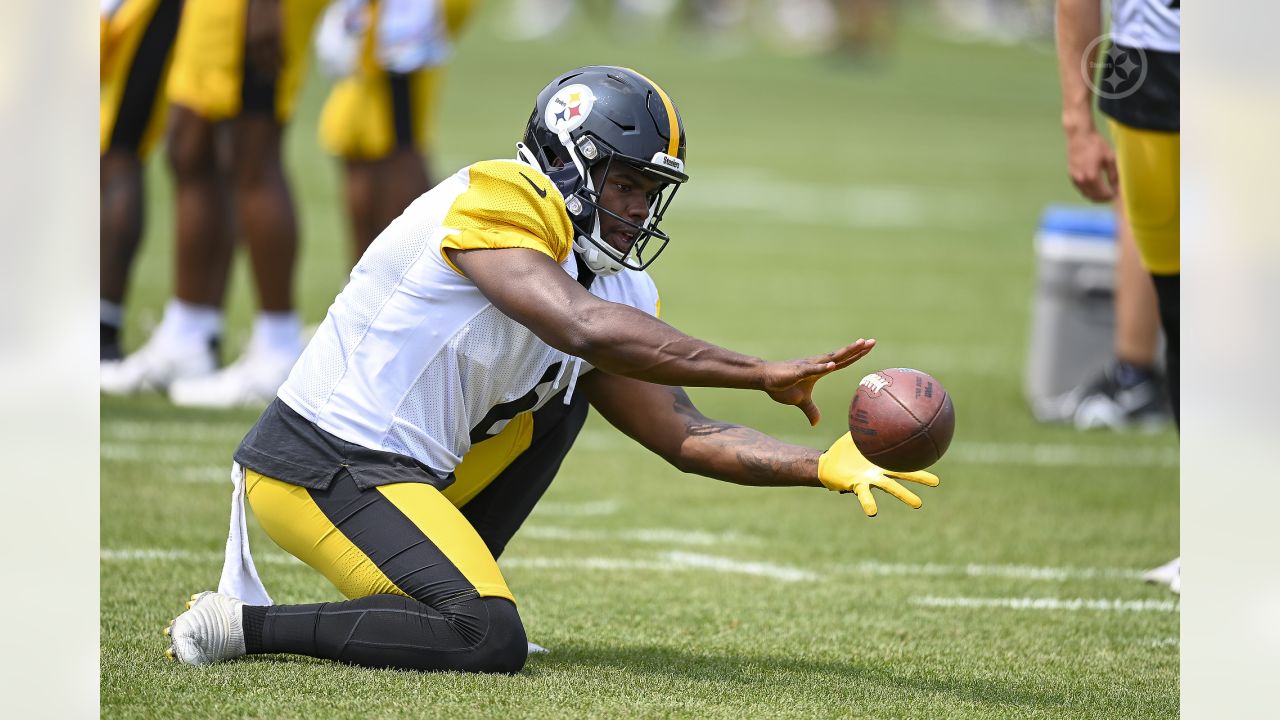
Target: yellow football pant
{"points": [[1149, 163], [402, 539]]}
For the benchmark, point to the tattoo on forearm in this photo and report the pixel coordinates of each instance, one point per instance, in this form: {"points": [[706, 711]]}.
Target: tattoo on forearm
{"points": [[761, 460], [698, 424]]}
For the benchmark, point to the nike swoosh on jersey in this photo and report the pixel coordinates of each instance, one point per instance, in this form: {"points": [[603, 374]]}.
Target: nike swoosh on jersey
{"points": [[541, 193]]}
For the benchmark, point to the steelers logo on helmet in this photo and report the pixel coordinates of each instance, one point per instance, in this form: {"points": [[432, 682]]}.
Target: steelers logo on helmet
{"points": [[569, 108]]}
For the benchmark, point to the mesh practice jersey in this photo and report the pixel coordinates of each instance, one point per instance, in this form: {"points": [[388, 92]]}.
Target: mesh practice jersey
{"points": [[411, 357], [1147, 24]]}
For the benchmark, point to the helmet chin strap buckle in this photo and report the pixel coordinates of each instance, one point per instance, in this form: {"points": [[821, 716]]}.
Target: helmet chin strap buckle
{"points": [[597, 260]]}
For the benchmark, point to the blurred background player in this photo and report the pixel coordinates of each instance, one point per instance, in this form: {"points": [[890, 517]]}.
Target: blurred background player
{"points": [[1130, 391], [136, 44], [390, 56], [1138, 85], [237, 68]]}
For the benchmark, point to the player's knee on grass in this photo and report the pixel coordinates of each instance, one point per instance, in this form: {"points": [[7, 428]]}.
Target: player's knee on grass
{"points": [[504, 647]]}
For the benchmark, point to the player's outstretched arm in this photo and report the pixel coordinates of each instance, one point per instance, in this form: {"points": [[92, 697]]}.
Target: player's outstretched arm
{"points": [[664, 420], [533, 290]]}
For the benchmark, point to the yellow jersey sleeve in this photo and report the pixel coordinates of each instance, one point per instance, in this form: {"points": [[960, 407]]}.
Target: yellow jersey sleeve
{"points": [[508, 204]]}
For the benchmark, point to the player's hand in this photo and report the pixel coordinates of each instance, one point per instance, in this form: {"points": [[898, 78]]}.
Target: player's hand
{"points": [[843, 469], [1092, 165], [791, 382], [262, 40]]}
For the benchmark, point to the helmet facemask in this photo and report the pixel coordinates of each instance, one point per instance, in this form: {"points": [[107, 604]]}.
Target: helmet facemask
{"points": [[592, 158]]}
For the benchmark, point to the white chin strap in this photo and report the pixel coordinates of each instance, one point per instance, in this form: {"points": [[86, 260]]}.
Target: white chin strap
{"points": [[600, 262], [596, 258]]}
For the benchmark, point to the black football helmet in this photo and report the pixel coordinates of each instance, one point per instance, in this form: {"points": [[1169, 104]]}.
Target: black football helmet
{"points": [[599, 115]]}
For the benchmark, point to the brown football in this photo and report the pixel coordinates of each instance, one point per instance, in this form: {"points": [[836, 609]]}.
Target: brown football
{"points": [[901, 419]]}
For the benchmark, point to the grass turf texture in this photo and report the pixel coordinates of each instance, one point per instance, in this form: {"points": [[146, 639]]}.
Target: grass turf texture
{"points": [[828, 202]]}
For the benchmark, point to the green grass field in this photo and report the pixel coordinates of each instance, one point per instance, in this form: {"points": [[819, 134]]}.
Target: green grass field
{"points": [[828, 203]]}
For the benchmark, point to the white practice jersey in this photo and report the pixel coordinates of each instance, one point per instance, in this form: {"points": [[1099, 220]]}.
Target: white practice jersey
{"points": [[411, 357], [1147, 24]]}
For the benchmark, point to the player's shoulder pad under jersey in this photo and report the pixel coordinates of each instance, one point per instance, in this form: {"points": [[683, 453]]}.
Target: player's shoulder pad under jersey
{"points": [[510, 196]]}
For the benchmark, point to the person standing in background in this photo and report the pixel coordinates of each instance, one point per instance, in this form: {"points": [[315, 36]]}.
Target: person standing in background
{"points": [[136, 45], [237, 69], [1138, 85], [379, 118]]}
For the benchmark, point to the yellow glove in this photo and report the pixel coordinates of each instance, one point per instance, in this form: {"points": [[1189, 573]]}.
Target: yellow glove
{"points": [[843, 469]]}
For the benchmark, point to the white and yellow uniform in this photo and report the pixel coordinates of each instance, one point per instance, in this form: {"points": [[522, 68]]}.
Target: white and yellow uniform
{"points": [[411, 357], [414, 368]]}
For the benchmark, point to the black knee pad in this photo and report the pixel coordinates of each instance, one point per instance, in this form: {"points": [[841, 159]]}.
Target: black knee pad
{"points": [[504, 647]]}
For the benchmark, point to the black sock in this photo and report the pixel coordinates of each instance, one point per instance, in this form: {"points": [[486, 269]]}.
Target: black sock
{"points": [[1127, 374], [110, 335], [1168, 295]]}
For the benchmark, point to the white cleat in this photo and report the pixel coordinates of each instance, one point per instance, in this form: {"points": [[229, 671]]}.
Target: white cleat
{"points": [[156, 365], [1169, 574], [251, 381], [210, 631]]}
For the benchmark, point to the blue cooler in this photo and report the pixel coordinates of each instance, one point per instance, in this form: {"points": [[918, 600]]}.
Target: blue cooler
{"points": [[1073, 318]]}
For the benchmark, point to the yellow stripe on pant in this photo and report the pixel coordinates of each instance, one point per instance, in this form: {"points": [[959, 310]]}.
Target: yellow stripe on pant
{"points": [[295, 522], [120, 37], [1149, 163]]}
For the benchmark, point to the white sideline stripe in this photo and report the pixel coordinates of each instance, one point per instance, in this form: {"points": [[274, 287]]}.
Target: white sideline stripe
{"points": [[1018, 572], [1028, 603], [719, 564], [142, 554], [577, 509], [641, 535], [675, 561]]}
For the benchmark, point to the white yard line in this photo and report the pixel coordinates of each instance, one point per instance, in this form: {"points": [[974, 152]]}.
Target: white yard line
{"points": [[1018, 572], [183, 430], [686, 561], [154, 453], [194, 556], [1029, 603], [673, 561], [676, 561]]}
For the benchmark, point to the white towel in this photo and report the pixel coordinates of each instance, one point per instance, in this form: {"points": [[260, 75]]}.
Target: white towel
{"points": [[239, 576]]}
